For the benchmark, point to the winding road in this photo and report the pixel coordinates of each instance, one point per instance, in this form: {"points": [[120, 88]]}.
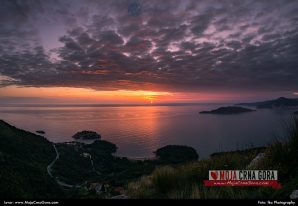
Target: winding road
{"points": [[49, 167], [49, 170]]}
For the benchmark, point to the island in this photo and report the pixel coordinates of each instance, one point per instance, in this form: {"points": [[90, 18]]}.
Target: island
{"points": [[40, 131], [281, 102], [228, 110], [86, 135]]}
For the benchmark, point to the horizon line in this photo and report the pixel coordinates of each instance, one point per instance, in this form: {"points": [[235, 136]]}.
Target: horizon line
{"points": [[107, 105]]}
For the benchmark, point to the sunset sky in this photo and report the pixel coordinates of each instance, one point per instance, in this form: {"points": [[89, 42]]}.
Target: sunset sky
{"points": [[147, 51]]}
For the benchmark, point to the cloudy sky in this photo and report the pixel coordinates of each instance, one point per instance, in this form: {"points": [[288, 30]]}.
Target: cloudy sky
{"points": [[144, 50]]}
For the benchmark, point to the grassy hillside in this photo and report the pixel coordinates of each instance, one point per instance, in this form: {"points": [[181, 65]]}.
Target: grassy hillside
{"points": [[186, 180], [24, 157]]}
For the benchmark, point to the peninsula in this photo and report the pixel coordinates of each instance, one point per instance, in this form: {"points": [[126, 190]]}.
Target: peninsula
{"points": [[281, 102]]}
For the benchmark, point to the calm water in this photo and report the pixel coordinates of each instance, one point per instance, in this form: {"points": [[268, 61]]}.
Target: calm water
{"points": [[138, 131]]}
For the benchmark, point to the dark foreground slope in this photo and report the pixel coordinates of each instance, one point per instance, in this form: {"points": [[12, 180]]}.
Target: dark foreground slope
{"points": [[24, 157]]}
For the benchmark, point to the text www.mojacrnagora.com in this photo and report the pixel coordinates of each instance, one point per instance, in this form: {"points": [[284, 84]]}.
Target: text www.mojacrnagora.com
{"points": [[30, 202]]}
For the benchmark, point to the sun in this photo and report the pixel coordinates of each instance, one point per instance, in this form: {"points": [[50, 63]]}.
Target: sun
{"points": [[150, 99]]}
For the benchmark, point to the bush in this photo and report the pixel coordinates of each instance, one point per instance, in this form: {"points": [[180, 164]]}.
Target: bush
{"points": [[102, 147], [177, 154]]}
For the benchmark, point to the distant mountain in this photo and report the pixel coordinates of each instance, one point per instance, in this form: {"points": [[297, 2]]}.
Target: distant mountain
{"points": [[228, 110], [24, 157], [280, 102]]}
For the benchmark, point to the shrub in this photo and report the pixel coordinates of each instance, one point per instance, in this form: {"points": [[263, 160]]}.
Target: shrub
{"points": [[177, 154]]}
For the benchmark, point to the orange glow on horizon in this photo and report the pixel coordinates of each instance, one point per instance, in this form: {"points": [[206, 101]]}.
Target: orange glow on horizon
{"points": [[90, 96], [138, 96]]}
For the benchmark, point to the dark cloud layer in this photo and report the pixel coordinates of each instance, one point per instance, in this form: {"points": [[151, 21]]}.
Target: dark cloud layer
{"points": [[175, 45]]}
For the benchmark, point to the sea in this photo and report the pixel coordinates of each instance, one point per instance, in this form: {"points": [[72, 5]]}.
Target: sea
{"points": [[139, 130]]}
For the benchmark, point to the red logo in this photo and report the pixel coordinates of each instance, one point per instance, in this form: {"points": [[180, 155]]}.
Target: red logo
{"points": [[214, 175]]}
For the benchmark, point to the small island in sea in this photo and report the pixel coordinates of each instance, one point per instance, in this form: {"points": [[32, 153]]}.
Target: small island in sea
{"points": [[40, 131], [228, 110], [86, 135]]}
